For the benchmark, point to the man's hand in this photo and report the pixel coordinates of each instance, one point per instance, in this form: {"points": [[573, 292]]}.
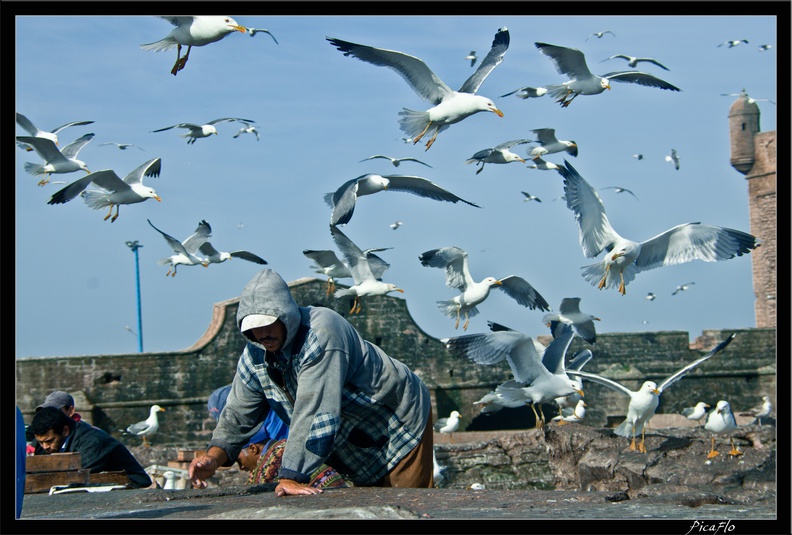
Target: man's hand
{"points": [[291, 487], [203, 467]]}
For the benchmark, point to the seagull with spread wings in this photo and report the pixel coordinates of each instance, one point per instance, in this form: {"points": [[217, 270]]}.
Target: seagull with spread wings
{"points": [[248, 129], [527, 92], [395, 161], [327, 263], [633, 61], [184, 253], [645, 400], [197, 131], [449, 106], [120, 146], [35, 131], [621, 190], [344, 199], [213, 256], [625, 258], [673, 158], [549, 144], [454, 261], [55, 161], [498, 154], [115, 191], [570, 314]]}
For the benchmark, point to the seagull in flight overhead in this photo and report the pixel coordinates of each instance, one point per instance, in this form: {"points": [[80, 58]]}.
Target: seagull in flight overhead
{"points": [[196, 131], [571, 62], [115, 191], [621, 190], [644, 402], [472, 58], [396, 224], [55, 161], [763, 48], [599, 35], [527, 92], [570, 314], [650, 296], [253, 31], [343, 200], [395, 161], [549, 144], [682, 288], [449, 106], [624, 257], [673, 158], [327, 263], [529, 197], [35, 131], [455, 263], [633, 62], [248, 129], [366, 283], [213, 256], [638, 156], [120, 146], [184, 253], [190, 31], [498, 154], [733, 43], [539, 163]]}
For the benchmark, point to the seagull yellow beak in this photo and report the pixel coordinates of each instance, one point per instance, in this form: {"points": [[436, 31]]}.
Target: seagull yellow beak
{"points": [[399, 290], [161, 409], [240, 29], [656, 391], [158, 198], [496, 110], [607, 86], [499, 283], [616, 255], [581, 394]]}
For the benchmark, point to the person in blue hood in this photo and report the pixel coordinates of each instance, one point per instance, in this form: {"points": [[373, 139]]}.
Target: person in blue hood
{"points": [[346, 402]]}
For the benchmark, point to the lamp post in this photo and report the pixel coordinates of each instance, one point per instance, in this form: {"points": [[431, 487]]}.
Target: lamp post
{"points": [[134, 245]]}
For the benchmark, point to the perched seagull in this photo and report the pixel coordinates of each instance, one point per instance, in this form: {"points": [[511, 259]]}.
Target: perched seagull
{"points": [[680, 244], [190, 31], [539, 163], [638, 156], [121, 146], [650, 296], [548, 144], [248, 129], [147, 427], [633, 62], [527, 92], [449, 106], [395, 161], [538, 378], [622, 190], [644, 402], [196, 131], [343, 200], [568, 403], [55, 161], [184, 253], [253, 31], [213, 256], [764, 410], [599, 35], [35, 131], [366, 283], [571, 62], [529, 197], [438, 470], [697, 413], [448, 425], [570, 314], [472, 58], [115, 191], [455, 263], [734, 43], [327, 263], [673, 158], [396, 224], [498, 154], [575, 415], [682, 288], [721, 421]]}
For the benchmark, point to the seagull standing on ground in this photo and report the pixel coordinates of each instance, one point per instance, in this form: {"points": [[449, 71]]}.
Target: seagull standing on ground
{"points": [[184, 253], [448, 425], [147, 427], [197, 131], [35, 131], [193, 31], [55, 161], [450, 106], [454, 261], [569, 313], [498, 154], [115, 191], [626, 258], [696, 413], [721, 421], [764, 410]]}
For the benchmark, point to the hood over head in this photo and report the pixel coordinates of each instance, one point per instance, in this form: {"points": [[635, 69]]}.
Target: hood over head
{"points": [[267, 294]]}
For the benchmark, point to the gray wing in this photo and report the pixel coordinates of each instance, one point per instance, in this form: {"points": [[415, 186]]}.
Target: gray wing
{"points": [[197, 238], [25, 123], [71, 150], [423, 187], [109, 180], [493, 58], [655, 62], [69, 192], [480, 155], [189, 126], [227, 119], [357, 261], [510, 144], [455, 263], [640, 78], [377, 156], [342, 201], [254, 31], [521, 291], [493, 347], [67, 125], [246, 255], [579, 359], [378, 265], [555, 354], [150, 168], [604, 381], [414, 71], [545, 136], [174, 244], [411, 159], [527, 92], [45, 148], [137, 428], [568, 61], [324, 258], [679, 374], [693, 241]]}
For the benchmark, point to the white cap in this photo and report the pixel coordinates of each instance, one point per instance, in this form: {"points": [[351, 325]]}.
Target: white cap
{"points": [[257, 320]]}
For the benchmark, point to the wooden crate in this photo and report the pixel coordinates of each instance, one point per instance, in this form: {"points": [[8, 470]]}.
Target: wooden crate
{"points": [[110, 478], [56, 462], [37, 482]]}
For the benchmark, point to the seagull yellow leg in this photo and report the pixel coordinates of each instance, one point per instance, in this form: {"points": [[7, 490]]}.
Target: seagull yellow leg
{"points": [[456, 325], [604, 278], [118, 207], [642, 447], [622, 289], [467, 320], [539, 421], [109, 213], [354, 304], [633, 447], [712, 452], [418, 138], [44, 180], [431, 141], [145, 442], [359, 306], [734, 451]]}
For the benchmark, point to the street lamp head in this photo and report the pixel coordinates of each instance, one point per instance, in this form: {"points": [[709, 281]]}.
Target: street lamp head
{"points": [[134, 245]]}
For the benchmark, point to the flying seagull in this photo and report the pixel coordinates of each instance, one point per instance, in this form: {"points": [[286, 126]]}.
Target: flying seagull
{"points": [[529, 197], [253, 31], [190, 31], [454, 261], [147, 427], [527, 92], [624, 257], [682, 287], [539, 163], [673, 158], [120, 146], [213, 256], [248, 129], [763, 48], [650, 296], [327, 263], [343, 200], [645, 400], [366, 283], [571, 62], [395, 161], [744, 95], [733, 43], [184, 253], [55, 161], [472, 58], [570, 314], [197, 131], [35, 131], [549, 144], [449, 106], [599, 35], [633, 62], [115, 191], [498, 154], [621, 190]]}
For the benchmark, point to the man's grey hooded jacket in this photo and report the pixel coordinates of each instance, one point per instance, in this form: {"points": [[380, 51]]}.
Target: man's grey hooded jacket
{"points": [[346, 402]]}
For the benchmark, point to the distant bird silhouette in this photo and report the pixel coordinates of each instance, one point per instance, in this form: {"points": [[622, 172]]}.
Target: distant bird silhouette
{"points": [[633, 62], [763, 48], [650, 296], [248, 129], [527, 92], [682, 288], [599, 35], [529, 197], [396, 224], [638, 156], [395, 161], [121, 146], [621, 190], [674, 158], [472, 57], [734, 43], [147, 427]]}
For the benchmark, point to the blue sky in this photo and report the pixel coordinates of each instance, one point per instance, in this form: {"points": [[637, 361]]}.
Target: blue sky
{"points": [[320, 113]]}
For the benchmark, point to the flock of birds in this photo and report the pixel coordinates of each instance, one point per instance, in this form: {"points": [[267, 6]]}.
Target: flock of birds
{"points": [[540, 373]]}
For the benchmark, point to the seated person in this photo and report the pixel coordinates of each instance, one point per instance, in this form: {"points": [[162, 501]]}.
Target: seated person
{"points": [[99, 452]]}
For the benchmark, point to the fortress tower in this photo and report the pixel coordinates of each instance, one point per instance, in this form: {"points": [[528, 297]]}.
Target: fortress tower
{"points": [[753, 153]]}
